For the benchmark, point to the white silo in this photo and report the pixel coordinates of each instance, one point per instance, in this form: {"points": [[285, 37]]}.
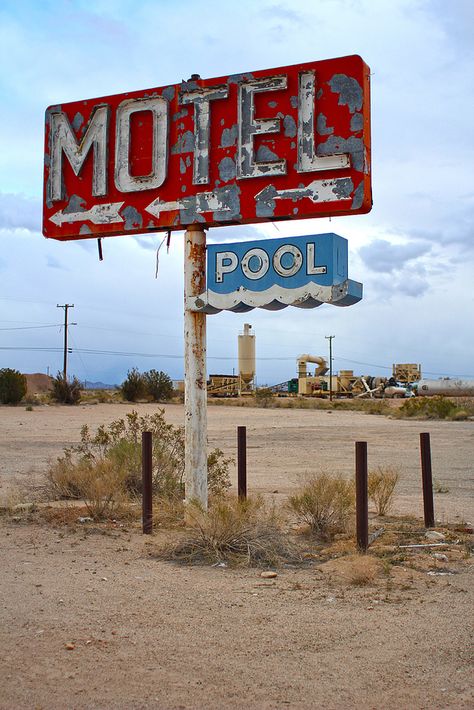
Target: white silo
{"points": [[246, 359]]}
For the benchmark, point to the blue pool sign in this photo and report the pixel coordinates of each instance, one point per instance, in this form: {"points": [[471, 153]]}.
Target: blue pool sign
{"points": [[275, 273]]}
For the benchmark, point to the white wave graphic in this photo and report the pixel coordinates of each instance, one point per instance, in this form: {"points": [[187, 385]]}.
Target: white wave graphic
{"points": [[277, 297]]}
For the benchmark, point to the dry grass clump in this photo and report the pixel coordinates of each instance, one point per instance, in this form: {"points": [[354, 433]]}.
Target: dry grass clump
{"points": [[233, 531], [381, 487], [325, 503], [101, 485], [361, 570]]}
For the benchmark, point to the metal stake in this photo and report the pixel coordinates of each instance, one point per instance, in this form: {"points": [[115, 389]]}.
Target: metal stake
{"points": [[242, 461], [362, 499], [147, 490], [195, 397], [426, 477]]}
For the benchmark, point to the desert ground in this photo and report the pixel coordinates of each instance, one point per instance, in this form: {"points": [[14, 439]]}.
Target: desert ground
{"points": [[89, 618]]}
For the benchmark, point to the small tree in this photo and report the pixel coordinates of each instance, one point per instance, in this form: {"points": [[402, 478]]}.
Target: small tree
{"points": [[133, 387], [66, 391], [158, 385], [12, 386]]}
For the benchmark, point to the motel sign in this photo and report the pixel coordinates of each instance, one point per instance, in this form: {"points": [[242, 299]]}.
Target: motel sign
{"points": [[285, 143]]}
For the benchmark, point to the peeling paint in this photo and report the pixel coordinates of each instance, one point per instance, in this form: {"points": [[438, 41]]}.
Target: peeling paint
{"points": [[353, 146], [77, 121], [321, 127], [358, 196], [180, 114], [75, 204], [294, 101], [357, 122], [182, 166], [229, 136], [169, 93], [84, 229], [133, 218], [239, 78], [289, 125], [349, 90], [265, 155], [227, 169], [184, 144]]}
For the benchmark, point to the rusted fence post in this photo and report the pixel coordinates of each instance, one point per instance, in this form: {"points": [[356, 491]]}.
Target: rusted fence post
{"points": [[362, 499], [426, 477], [242, 461], [147, 492]]}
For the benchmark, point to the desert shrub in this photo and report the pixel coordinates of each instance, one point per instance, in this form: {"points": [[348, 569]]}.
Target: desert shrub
{"points": [[66, 391], [381, 487], [12, 386], [119, 444], [438, 407], [133, 387], [324, 503], [239, 531], [263, 397], [100, 485], [158, 385]]}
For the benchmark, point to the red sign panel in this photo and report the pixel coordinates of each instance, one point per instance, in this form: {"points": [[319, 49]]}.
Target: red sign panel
{"points": [[286, 143]]}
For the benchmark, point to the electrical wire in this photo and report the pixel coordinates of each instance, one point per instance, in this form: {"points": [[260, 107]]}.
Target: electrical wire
{"points": [[33, 327], [86, 351]]}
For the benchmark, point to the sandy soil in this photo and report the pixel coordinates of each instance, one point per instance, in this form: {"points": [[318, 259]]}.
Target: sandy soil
{"points": [[144, 633]]}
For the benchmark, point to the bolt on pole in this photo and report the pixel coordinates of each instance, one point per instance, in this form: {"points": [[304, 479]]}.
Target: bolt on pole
{"points": [[242, 461], [362, 498], [147, 487], [195, 388], [427, 480]]}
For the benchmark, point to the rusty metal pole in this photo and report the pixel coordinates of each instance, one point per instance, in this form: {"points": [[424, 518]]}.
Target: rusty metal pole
{"points": [[427, 481], [147, 490], [242, 461], [195, 390], [362, 499]]}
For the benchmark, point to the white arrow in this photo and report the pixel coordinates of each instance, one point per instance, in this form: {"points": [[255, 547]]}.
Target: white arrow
{"points": [[98, 214], [202, 202], [316, 191]]}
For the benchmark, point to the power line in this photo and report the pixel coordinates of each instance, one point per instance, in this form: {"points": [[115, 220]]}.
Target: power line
{"points": [[165, 356], [34, 327]]}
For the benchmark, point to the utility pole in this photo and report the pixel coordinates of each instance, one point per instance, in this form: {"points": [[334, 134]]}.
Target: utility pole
{"points": [[66, 308], [330, 337]]}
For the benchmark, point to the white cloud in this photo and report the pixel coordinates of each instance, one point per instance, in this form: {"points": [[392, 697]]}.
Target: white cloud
{"points": [[381, 255]]}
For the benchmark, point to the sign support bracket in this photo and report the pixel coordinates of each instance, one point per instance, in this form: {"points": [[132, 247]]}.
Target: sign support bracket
{"points": [[195, 377]]}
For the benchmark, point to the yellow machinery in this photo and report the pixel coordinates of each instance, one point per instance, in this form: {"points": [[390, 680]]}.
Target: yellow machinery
{"points": [[223, 386], [345, 384], [406, 372]]}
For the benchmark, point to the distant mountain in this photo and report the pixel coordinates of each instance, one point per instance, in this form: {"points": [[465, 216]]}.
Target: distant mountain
{"points": [[98, 386]]}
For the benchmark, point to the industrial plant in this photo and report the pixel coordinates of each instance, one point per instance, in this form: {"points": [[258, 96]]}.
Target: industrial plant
{"points": [[405, 381]]}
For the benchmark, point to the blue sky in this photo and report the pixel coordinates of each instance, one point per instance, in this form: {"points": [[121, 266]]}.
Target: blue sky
{"points": [[414, 252]]}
